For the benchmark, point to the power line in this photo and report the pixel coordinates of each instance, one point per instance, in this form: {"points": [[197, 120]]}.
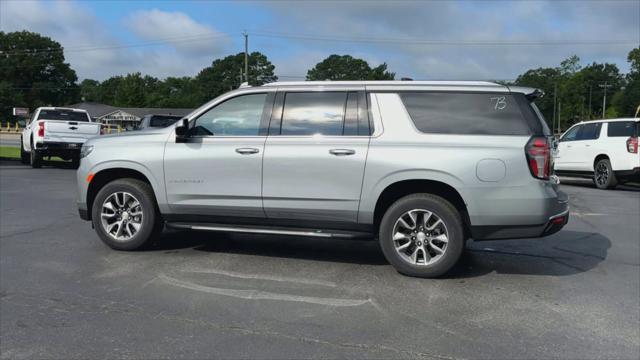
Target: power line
{"points": [[114, 46], [411, 41], [281, 35]]}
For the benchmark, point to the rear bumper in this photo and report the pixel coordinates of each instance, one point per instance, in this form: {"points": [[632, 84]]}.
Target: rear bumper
{"points": [[633, 174], [59, 148], [557, 219], [50, 145]]}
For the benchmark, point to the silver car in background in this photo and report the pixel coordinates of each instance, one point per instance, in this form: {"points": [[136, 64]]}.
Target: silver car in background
{"points": [[419, 166]]}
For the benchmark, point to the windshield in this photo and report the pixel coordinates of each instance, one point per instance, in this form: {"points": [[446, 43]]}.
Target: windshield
{"points": [[162, 121], [68, 115]]}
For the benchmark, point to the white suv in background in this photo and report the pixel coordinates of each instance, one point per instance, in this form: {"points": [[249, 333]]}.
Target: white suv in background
{"points": [[606, 150]]}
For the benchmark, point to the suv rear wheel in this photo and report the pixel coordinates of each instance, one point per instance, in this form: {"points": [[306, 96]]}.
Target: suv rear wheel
{"points": [[125, 215], [603, 175], [422, 235]]}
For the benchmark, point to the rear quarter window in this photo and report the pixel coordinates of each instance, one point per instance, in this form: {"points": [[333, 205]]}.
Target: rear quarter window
{"points": [[621, 129], [465, 113]]}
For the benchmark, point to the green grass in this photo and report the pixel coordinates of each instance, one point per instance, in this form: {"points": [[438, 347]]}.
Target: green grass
{"points": [[9, 152]]}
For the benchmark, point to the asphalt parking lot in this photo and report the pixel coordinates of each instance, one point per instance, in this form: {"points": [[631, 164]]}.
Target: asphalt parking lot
{"points": [[63, 294]]}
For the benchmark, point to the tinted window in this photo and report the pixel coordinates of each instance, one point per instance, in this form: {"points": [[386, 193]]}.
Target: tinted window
{"points": [[571, 134], [162, 121], [459, 113], [314, 113], [238, 116], [67, 115], [620, 128], [589, 131]]}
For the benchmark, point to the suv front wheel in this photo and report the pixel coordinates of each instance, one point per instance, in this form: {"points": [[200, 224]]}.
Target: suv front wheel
{"points": [[125, 215], [422, 235]]}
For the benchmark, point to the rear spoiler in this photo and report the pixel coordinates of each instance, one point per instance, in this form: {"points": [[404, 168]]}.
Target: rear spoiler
{"points": [[530, 93]]}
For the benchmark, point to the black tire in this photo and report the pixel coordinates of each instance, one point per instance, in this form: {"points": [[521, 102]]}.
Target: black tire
{"points": [[449, 216], [151, 224], [24, 156], [35, 157], [603, 175]]}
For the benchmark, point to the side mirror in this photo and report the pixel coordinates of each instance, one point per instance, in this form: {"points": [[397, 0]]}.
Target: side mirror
{"points": [[182, 131], [22, 123]]}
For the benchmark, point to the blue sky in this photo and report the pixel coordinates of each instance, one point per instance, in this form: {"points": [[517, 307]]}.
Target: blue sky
{"points": [[178, 38]]}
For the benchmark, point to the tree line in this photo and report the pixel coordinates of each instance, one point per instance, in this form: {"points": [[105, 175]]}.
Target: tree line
{"points": [[33, 73]]}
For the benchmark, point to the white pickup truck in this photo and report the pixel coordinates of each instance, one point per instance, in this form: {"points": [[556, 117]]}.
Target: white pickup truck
{"points": [[55, 131]]}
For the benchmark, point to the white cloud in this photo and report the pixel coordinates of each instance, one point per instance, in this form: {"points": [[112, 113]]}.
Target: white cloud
{"points": [[183, 33], [77, 28], [469, 21]]}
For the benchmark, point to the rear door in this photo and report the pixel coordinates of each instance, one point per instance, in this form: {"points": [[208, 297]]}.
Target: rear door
{"points": [[315, 156], [615, 138]]}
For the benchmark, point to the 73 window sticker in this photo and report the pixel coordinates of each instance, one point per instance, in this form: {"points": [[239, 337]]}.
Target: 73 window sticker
{"points": [[499, 102]]}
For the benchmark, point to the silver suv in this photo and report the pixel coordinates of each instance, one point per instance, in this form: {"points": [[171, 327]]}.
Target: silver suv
{"points": [[421, 166]]}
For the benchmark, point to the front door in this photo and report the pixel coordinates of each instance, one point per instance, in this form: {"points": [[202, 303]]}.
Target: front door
{"points": [[218, 170], [315, 156], [568, 154]]}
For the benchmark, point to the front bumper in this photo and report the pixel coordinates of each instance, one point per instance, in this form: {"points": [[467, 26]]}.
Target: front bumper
{"points": [[558, 208], [82, 210]]}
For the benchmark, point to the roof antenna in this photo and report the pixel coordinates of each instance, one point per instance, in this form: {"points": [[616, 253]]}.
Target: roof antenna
{"points": [[406, 79]]}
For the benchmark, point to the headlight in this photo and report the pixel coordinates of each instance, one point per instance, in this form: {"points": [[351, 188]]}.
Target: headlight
{"points": [[86, 150]]}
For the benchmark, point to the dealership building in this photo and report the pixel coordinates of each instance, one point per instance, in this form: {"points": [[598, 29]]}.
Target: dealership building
{"points": [[125, 117]]}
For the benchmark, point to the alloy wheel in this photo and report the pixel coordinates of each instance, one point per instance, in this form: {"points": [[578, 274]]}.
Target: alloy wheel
{"points": [[420, 237], [602, 174], [121, 216]]}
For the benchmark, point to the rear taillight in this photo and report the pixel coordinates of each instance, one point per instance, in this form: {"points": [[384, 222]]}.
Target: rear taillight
{"points": [[632, 145], [41, 129], [538, 152]]}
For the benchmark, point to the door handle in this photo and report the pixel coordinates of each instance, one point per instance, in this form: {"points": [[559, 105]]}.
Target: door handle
{"points": [[342, 152], [587, 145], [247, 151]]}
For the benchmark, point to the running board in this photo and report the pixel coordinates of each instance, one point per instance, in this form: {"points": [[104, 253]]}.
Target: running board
{"points": [[270, 230]]}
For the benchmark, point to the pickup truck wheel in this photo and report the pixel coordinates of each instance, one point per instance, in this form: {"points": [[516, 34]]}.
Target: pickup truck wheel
{"points": [[603, 175], [125, 215], [422, 235], [35, 158], [24, 156]]}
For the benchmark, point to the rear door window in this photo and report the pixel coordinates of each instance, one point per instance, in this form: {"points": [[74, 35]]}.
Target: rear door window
{"points": [[589, 131], [314, 113], [621, 129]]}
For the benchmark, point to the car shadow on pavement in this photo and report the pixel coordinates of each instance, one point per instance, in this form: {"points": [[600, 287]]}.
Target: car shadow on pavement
{"points": [[562, 254], [588, 183], [293, 247]]}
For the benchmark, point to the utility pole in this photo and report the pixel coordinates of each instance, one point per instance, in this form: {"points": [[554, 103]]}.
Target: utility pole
{"points": [[604, 99], [246, 56], [590, 88], [555, 96], [559, 112]]}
